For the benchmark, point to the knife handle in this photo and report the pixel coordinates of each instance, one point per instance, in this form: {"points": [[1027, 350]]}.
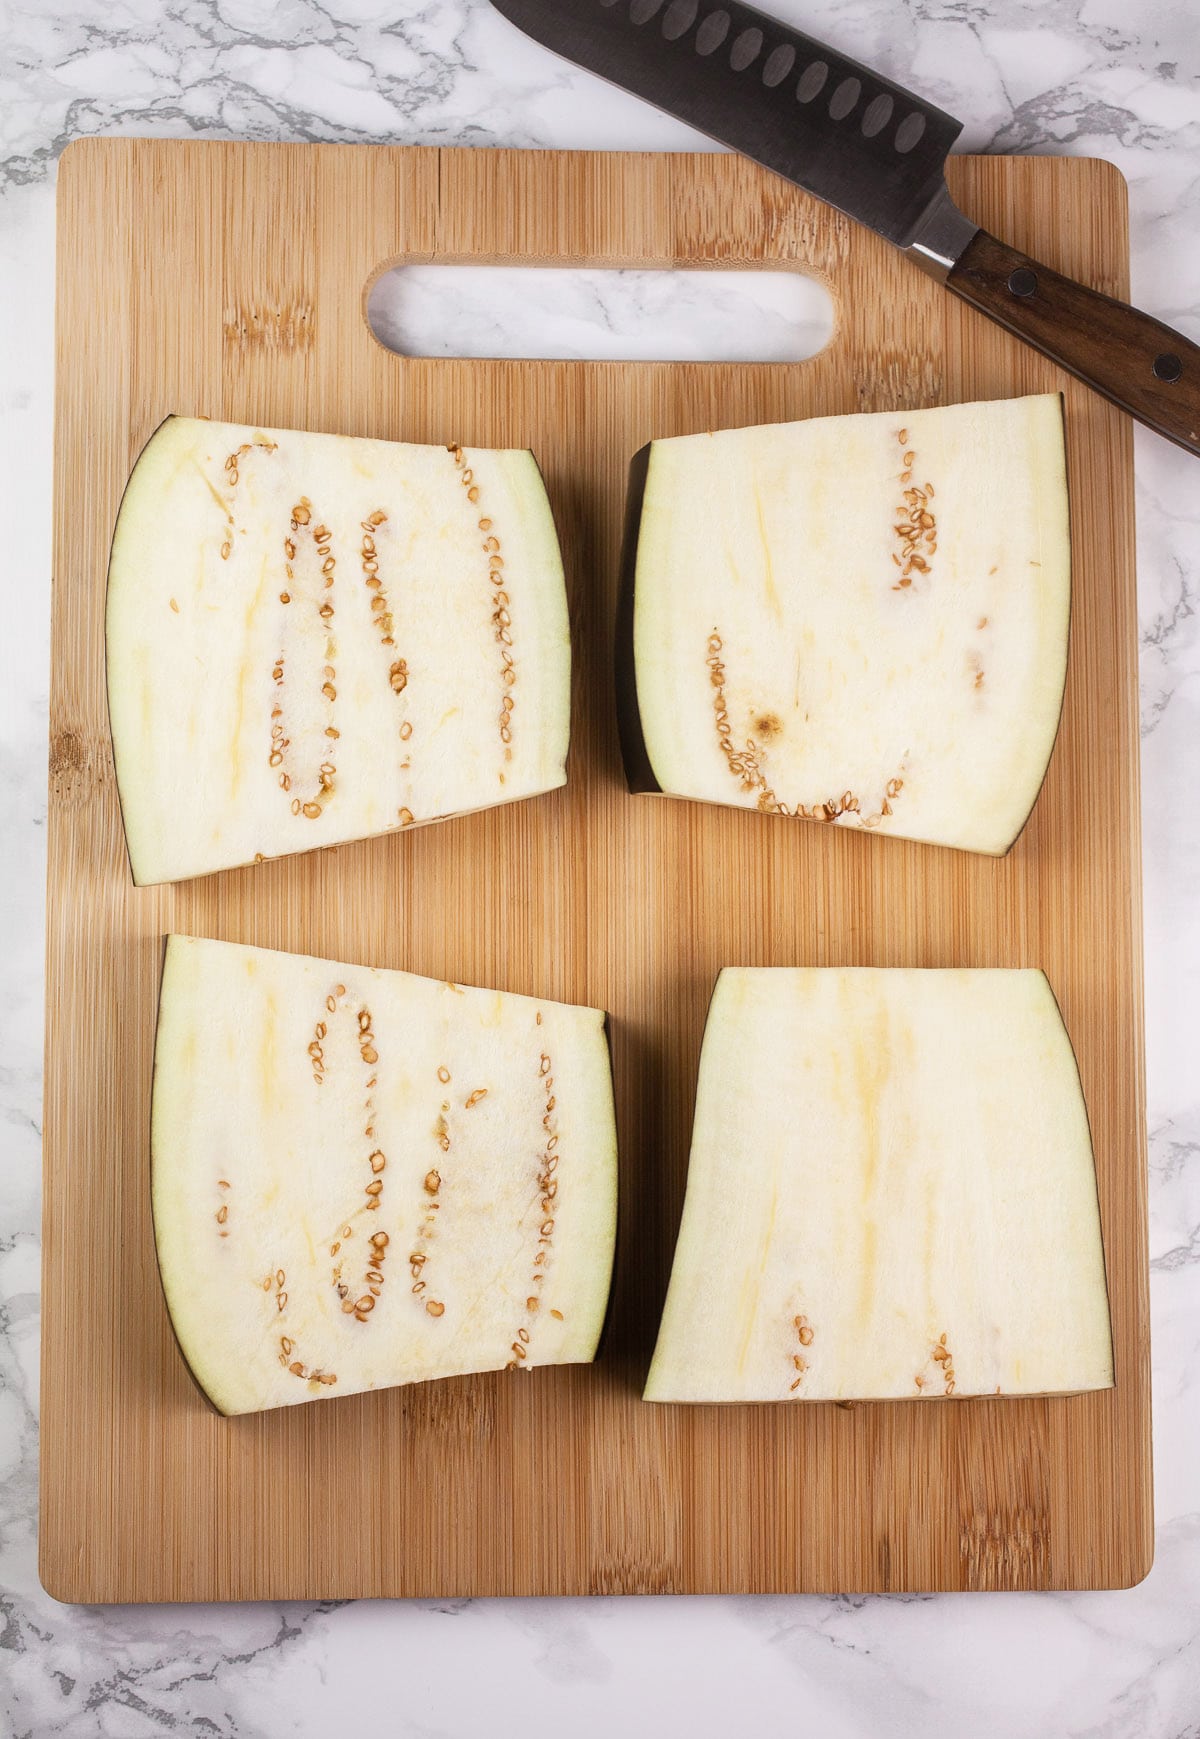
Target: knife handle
{"points": [[1141, 365]]}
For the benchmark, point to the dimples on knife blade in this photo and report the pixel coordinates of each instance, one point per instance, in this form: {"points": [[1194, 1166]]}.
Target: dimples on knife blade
{"points": [[822, 120]]}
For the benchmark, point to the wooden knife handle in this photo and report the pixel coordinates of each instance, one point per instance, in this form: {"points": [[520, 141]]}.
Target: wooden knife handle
{"points": [[1149, 370]]}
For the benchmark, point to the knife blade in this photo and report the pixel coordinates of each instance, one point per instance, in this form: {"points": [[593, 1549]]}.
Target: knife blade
{"points": [[878, 153]]}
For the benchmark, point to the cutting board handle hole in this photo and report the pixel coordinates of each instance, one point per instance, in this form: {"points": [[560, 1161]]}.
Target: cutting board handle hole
{"points": [[600, 314]]}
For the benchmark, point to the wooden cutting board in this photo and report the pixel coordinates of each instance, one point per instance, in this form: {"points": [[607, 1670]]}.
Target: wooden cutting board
{"points": [[229, 281]]}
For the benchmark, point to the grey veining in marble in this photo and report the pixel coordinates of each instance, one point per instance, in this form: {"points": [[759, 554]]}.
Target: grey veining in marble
{"points": [[1117, 78], [518, 311]]}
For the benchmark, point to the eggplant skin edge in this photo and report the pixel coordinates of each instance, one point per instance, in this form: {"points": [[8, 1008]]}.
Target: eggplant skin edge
{"points": [[605, 1331], [207, 1399], [639, 774], [603, 1334]]}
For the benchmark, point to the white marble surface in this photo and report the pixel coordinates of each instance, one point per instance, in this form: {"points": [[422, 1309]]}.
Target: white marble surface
{"points": [[1120, 78]]}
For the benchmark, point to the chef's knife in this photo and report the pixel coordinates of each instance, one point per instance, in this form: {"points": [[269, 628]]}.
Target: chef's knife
{"points": [[878, 153]]}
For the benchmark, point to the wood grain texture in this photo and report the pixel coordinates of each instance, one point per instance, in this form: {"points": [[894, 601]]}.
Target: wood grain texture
{"points": [[1140, 364], [230, 281]]}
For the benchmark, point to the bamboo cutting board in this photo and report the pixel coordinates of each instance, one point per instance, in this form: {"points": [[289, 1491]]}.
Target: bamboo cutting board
{"points": [[229, 281]]}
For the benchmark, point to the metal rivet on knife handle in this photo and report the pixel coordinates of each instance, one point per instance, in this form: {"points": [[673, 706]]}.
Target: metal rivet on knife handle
{"points": [[1131, 358], [1023, 282]]}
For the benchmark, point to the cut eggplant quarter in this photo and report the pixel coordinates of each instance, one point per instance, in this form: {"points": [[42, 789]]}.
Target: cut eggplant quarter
{"points": [[313, 638], [363, 1178], [891, 1194], [859, 620]]}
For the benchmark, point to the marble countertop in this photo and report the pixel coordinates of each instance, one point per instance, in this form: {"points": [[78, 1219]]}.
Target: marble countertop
{"points": [[1114, 78]]}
